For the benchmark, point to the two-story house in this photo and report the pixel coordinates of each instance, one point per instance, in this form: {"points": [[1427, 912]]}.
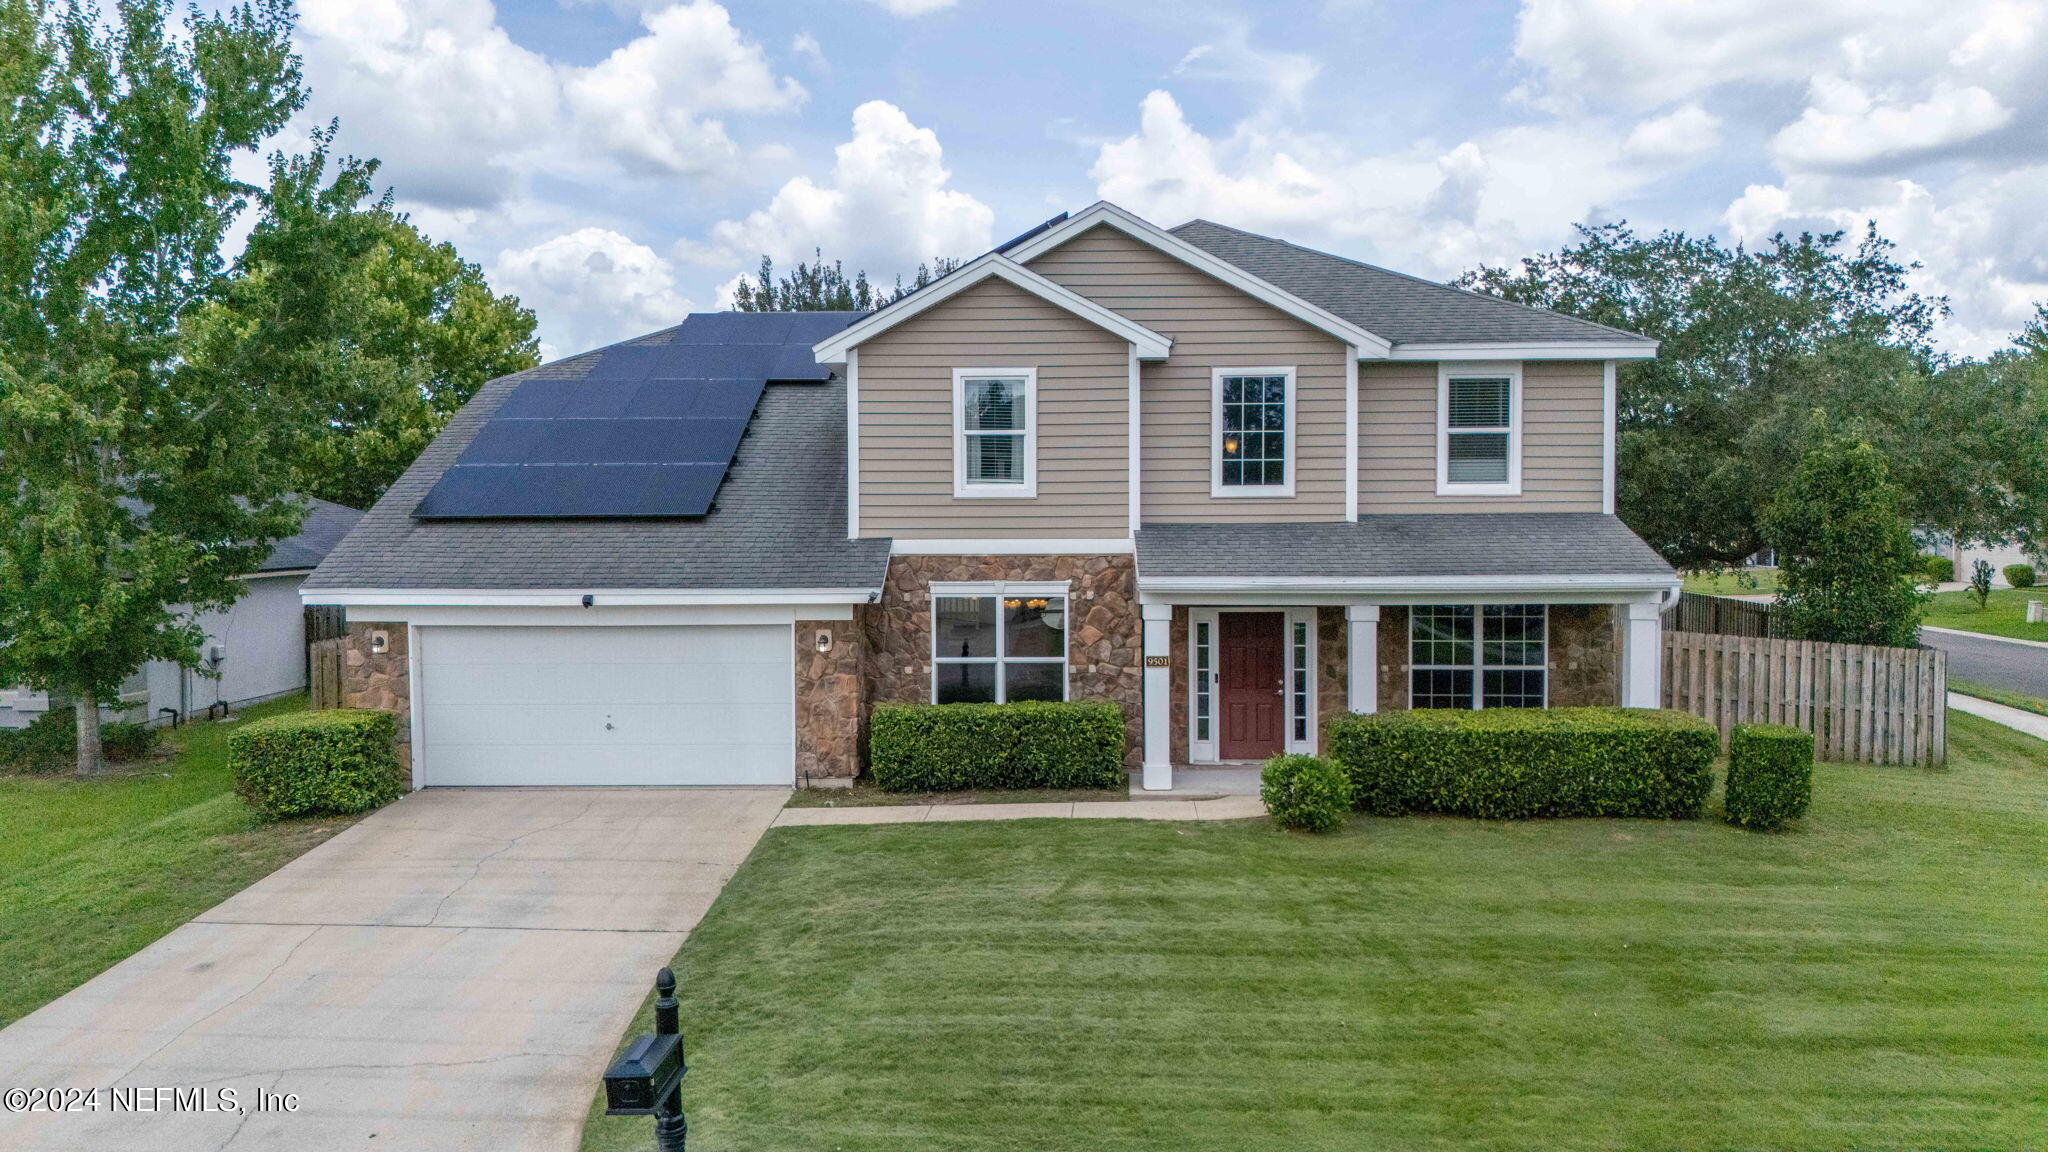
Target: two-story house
{"points": [[1233, 485]]}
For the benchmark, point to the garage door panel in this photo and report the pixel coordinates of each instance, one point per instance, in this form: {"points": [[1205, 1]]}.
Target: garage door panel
{"points": [[704, 705]]}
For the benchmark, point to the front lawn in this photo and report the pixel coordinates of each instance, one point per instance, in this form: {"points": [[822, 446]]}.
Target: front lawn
{"points": [[92, 870], [2005, 614], [1875, 979]]}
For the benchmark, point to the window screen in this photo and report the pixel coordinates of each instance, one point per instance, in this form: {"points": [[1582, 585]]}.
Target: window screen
{"points": [[1478, 422]]}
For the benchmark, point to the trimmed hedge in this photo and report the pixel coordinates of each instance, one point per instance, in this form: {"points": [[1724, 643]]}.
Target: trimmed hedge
{"points": [[1305, 793], [1510, 763], [1940, 569], [1029, 744], [2019, 575], [50, 742], [342, 760], [1770, 775]]}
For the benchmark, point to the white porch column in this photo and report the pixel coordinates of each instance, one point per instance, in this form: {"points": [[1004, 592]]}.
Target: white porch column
{"points": [[1158, 762], [1362, 659], [1642, 649]]}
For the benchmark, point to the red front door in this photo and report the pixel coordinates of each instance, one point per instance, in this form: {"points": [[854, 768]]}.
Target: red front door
{"points": [[1253, 652]]}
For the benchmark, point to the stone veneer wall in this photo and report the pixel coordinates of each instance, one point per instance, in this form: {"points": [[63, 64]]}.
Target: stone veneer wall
{"points": [[380, 680], [1585, 656], [1333, 669], [830, 721], [1393, 658], [1178, 638], [1105, 635]]}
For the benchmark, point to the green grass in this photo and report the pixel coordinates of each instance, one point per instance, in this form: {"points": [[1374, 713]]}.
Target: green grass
{"points": [[1733, 582], [2005, 614], [2018, 700], [865, 795], [92, 870], [1876, 978]]}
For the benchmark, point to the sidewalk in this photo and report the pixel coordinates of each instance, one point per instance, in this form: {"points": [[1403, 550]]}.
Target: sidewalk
{"points": [[1220, 808], [2031, 723], [1985, 636]]}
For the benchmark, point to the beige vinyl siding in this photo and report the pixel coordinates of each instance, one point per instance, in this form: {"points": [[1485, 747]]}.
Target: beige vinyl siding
{"points": [[1212, 325], [1562, 415], [906, 420]]}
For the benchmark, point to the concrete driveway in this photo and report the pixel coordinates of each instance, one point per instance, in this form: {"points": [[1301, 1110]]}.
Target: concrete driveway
{"points": [[450, 973]]}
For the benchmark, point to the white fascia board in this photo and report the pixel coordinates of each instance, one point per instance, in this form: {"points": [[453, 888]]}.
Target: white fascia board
{"points": [[1425, 584], [1144, 231], [560, 597], [1150, 345], [996, 546], [1535, 350]]}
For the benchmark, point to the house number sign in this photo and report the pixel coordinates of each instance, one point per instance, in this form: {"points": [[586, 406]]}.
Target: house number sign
{"points": [[1156, 662]]}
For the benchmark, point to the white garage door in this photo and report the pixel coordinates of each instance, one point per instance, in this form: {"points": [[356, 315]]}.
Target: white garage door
{"points": [[705, 704]]}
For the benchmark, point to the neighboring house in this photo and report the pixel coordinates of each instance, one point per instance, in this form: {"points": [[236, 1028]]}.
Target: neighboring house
{"points": [[1965, 556], [257, 647], [1232, 485]]}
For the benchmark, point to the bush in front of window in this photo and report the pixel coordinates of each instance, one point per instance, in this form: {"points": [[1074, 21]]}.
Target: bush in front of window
{"points": [[1305, 793], [2019, 575], [341, 760], [1513, 763], [1770, 775], [1029, 744]]}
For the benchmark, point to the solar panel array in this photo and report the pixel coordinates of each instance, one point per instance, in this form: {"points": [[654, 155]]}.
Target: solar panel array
{"points": [[650, 431]]}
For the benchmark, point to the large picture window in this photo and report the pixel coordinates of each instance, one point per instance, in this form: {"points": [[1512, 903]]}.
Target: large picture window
{"points": [[1467, 656], [1479, 429], [995, 432], [1253, 450], [998, 647]]}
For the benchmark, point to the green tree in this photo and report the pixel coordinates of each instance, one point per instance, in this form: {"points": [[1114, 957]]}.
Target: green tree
{"points": [[1754, 341], [339, 301], [129, 485], [1846, 559], [822, 287]]}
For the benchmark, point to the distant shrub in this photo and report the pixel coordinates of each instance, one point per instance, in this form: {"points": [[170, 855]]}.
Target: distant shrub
{"points": [[50, 742], [1305, 793], [1940, 569], [1029, 744], [1980, 583], [1770, 775], [1509, 763], [122, 741], [342, 760], [2019, 575]]}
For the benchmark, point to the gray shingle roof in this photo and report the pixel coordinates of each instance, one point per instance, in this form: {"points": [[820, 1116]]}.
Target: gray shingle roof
{"points": [[1422, 545], [779, 520], [325, 525], [1398, 307]]}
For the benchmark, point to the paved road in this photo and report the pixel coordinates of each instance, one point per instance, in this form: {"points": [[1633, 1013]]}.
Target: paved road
{"points": [[2013, 667], [449, 974]]}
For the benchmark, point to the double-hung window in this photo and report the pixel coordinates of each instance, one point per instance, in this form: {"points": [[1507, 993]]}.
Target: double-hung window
{"points": [[1252, 441], [994, 644], [1479, 429], [1478, 656], [995, 432]]}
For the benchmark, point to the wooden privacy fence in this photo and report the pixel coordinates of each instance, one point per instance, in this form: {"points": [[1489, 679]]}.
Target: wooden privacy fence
{"points": [[1875, 705], [323, 658], [1721, 616]]}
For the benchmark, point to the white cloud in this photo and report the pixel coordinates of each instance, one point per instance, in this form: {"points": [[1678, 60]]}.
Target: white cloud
{"points": [[654, 100], [912, 8], [591, 287], [1284, 76], [886, 206], [805, 45], [1688, 130], [1845, 125]]}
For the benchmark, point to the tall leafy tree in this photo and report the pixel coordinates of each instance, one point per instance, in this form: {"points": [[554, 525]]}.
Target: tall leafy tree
{"points": [[129, 485], [1846, 557], [1755, 341], [822, 287], [340, 302]]}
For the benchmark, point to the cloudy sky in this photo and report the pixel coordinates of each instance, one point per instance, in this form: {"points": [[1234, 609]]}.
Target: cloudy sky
{"points": [[616, 163]]}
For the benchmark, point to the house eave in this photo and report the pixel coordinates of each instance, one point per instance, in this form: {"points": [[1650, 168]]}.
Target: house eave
{"points": [[1531, 350]]}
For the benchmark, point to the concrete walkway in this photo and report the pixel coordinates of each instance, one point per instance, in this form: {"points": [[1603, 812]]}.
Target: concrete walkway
{"points": [[1218, 808], [2032, 723], [451, 973]]}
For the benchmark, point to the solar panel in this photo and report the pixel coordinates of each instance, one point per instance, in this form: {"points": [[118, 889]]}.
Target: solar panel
{"points": [[650, 431]]}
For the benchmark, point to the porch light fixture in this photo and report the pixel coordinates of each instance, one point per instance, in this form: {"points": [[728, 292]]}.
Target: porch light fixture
{"points": [[824, 640]]}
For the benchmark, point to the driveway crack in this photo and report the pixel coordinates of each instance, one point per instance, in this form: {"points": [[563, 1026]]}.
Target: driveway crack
{"points": [[478, 868]]}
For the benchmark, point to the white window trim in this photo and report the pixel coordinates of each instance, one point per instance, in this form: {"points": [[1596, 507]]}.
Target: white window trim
{"points": [[1210, 751], [1457, 370], [1217, 488], [1478, 667], [1000, 589], [961, 487]]}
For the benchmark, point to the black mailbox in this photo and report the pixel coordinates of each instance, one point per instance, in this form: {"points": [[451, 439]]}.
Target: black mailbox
{"points": [[647, 1073]]}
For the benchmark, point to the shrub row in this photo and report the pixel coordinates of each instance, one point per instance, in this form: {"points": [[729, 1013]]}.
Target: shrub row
{"points": [[1029, 744], [1939, 569], [1305, 793], [50, 742], [1770, 775], [342, 760], [2019, 575], [1509, 763]]}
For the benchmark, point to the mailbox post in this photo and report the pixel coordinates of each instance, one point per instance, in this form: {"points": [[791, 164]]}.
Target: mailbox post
{"points": [[647, 1078]]}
